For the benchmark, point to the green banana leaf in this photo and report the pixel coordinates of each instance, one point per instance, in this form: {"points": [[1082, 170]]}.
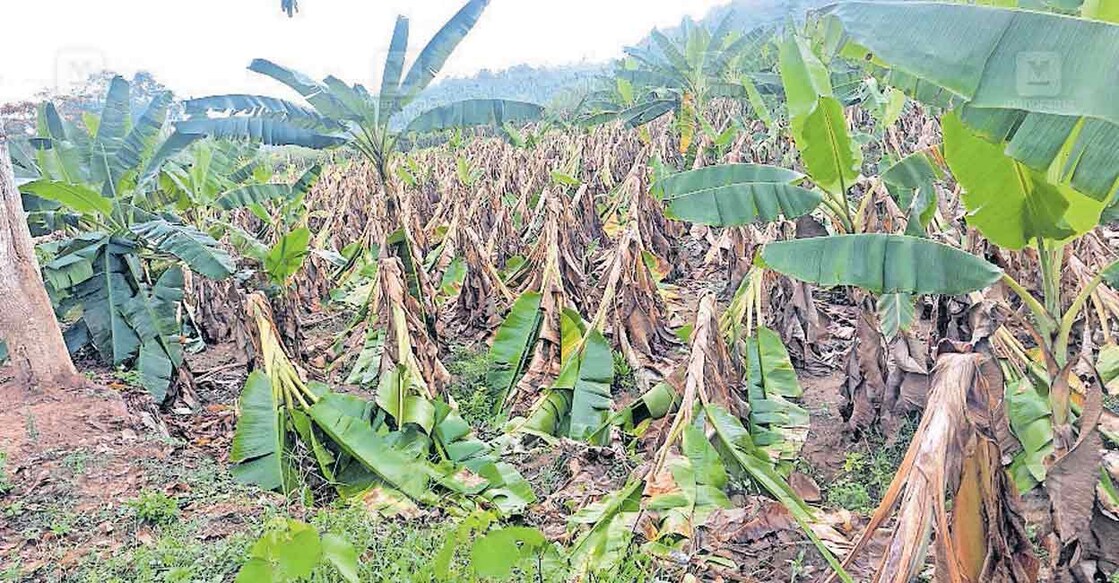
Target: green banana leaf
{"points": [[112, 126], [737, 194], [881, 264], [262, 193], [432, 58], [896, 312], [591, 401], [1010, 203], [513, 343], [401, 469], [259, 450], [152, 314], [103, 297], [777, 424], [734, 443], [268, 131], [286, 257], [195, 248], [71, 195], [600, 550], [143, 135], [1042, 77], [816, 119], [911, 183], [476, 112]]}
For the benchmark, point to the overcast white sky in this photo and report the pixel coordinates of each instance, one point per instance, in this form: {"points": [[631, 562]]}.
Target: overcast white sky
{"points": [[201, 47]]}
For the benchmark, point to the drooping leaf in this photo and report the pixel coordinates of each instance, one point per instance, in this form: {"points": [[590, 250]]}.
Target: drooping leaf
{"points": [[476, 112], [152, 313], [73, 196], [197, 249], [737, 194], [103, 297], [591, 401], [400, 469], [896, 312], [881, 264], [777, 424], [258, 449], [513, 342], [911, 183]]}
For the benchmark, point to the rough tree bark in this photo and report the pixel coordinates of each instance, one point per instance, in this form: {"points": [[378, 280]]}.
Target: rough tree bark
{"points": [[27, 322]]}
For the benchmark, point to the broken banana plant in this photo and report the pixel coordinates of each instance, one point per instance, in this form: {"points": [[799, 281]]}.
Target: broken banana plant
{"points": [[354, 443]]}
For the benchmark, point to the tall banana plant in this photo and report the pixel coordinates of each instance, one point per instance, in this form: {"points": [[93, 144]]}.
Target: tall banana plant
{"points": [[1030, 116], [348, 115], [119, 264]]}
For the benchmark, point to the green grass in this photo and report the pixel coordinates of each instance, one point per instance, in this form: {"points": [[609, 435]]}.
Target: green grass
{"points": [[5, 481], [868, 471], [476, 402]]}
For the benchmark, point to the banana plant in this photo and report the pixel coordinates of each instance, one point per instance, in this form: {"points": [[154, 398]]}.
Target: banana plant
{"points": [[681, 75], [339, 114], [119, 267]]}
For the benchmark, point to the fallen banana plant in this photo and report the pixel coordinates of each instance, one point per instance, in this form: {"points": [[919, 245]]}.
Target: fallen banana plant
{"points": [[359, 447]]}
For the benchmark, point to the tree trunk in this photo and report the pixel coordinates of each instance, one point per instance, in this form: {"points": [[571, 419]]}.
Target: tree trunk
{"points": [[27, 322]]}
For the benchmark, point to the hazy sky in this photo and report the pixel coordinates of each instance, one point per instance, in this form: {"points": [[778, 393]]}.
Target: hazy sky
{"points": [[200, 47]]}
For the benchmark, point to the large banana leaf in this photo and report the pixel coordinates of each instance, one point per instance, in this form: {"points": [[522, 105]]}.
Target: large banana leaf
{"points": [[112, 127], [513, 342], [591, 400], [777, 425], [431, 60], [268, 131], [816, 118], [71, 195], [401, 469], [152, 313], [394, 68], [737, 194], [1048, 79], [259, 451], [197, 249], [601, 549], [262, 193], [476, 112], [103, 297], [995, 57], [881, 264], [143, 135], [260, 105], [1010, 203], [505, 487]]}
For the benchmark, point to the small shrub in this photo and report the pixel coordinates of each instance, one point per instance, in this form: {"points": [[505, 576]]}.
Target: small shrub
{"points": [[155, 508]]}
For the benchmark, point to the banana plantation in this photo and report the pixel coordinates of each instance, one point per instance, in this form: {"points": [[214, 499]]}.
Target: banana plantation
{"points": [[834, 298]]}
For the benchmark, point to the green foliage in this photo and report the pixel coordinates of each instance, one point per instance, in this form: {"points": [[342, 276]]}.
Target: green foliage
{"points": [[155, 507], [476, 401], [291, 550], [868, 471], [287, 256], [881, 264], [737, 194]]}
